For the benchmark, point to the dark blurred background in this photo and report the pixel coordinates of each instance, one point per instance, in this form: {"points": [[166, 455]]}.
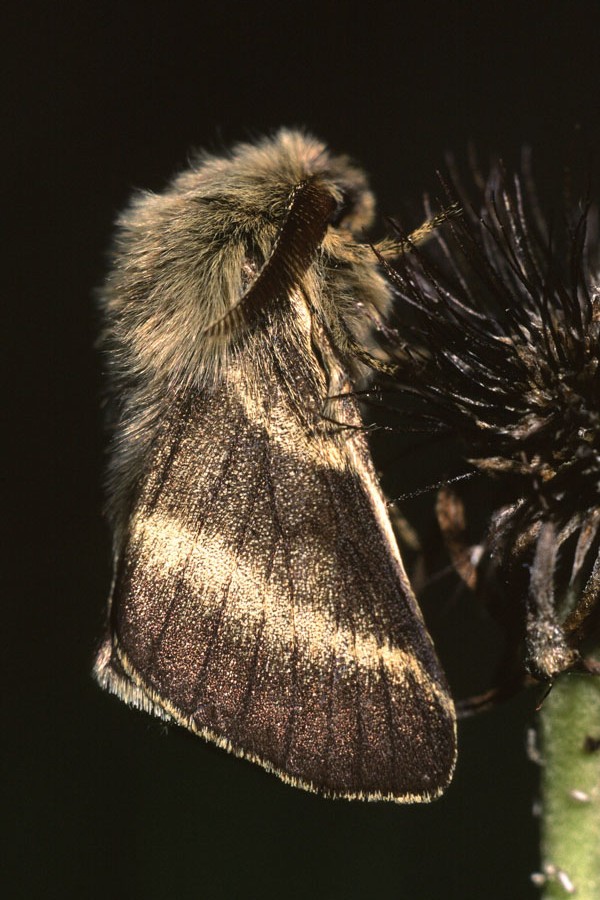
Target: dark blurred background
{"points": [[105, 97]]}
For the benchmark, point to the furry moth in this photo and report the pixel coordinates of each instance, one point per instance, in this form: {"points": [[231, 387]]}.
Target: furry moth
{"points": [[259, 598]]}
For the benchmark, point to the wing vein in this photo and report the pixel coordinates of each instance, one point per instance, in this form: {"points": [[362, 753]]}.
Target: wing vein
{"points": [[219, 477], [294, 651], [245, 704], [218, 620]]}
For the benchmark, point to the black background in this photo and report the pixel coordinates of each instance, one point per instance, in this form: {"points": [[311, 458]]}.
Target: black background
{"points": [[104, 97]]}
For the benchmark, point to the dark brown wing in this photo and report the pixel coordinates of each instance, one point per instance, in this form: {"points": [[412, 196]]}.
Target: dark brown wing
{"points": [[260, 602]]}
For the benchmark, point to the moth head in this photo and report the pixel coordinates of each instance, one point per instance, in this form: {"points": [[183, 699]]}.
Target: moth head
{"points": [[339, 275], [236, 236]]}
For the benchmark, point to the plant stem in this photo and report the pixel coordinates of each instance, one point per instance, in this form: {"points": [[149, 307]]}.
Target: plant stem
{"points": [[570, 723]]}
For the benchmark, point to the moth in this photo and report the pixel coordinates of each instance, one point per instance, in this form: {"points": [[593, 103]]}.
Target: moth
{"points": [[259, 598]]}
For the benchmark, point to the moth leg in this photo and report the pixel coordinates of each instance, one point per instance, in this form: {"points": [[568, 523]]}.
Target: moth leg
{"points": [[392, 248], [373, 362]]}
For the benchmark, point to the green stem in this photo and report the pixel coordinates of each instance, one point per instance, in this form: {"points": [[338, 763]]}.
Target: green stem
{"points": [[570, 722]]}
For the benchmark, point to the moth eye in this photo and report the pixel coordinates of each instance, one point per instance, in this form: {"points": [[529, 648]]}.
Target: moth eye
{"points": [[344, 209]]}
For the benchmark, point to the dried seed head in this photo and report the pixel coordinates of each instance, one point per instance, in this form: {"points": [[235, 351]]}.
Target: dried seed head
{"points": [[501, 315]]}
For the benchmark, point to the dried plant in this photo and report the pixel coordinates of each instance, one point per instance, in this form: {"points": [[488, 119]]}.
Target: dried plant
{"points": [[497, 341], [500, 323]]}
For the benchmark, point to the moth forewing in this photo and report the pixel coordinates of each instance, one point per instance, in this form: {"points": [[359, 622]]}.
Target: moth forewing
{"points": [[259, 596]]}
